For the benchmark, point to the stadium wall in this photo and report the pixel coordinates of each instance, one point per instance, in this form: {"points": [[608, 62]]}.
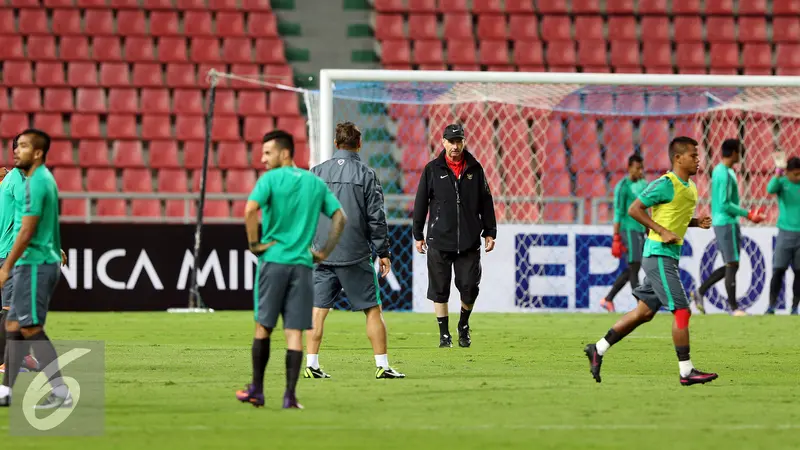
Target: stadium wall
{"points": [[534, 268]]}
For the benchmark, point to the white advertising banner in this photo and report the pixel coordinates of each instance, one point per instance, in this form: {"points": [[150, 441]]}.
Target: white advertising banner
{"points": [[569, 268]]}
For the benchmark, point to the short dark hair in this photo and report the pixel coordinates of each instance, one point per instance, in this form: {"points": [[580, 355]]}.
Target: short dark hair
{"points": [[635, 158], [41, 141], [679, 146], [14, 142], [793, 163], [348, 136], [731, 146], [283, 140]]}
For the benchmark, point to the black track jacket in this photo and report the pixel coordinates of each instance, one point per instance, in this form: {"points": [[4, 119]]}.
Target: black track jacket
{"points": [[461, 210]]}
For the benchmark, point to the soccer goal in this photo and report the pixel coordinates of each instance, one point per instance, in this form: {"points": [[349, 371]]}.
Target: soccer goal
{"points": [[555, 144]]}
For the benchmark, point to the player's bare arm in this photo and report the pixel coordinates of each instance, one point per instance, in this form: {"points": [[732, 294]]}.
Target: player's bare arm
{"points": [[639, 212], [337, 227], [26, 232], [251, 211]]}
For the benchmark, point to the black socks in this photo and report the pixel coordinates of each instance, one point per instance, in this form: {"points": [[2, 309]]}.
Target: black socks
{"points": [[683, 353], [714, 278], [612, 337], [444, 325], [633, 273], [294, 361], [463, 321], [619, 283], [260, 355], [14, 357], [730, 286]]}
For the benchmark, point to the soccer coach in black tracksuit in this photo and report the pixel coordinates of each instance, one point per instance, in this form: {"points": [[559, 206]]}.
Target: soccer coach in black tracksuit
{"points": [[454, 192]]}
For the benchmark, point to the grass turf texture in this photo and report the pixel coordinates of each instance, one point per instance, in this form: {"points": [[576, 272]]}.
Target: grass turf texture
{"points": [[525, 383]]}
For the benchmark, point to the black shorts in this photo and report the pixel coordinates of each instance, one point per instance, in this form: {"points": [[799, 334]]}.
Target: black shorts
{"points": [[467, 268], [284, 290]]}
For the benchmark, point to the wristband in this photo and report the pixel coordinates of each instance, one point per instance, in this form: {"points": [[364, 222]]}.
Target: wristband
{"points": [[779, 172]]}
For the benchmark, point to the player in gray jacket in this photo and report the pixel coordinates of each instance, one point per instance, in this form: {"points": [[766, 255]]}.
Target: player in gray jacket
{"points": [[350, 266]]}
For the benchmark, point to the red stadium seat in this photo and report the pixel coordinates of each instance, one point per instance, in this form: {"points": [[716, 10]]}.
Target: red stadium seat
{"points": [[556, 28], [17, 74], [233, 155], [688, 29], [237, 50], [101, 180], [688, 7], [114, 75], [91, 100], [759, 142], [757, 56], [82, 74], [253, 103], [754, 29], [428, 6], [786, 8], [181, 75], [128, 154], [787, 55], [26, 99], [49, 74], [157, 4], [283, 104], [561, 53], [240, 181], [187, 101], [589, 28], [751, 8], [585, 6], [622, 28], [690, 55], [620, 6], [11, 48], [492, 27], [585, 146], [523, 28], [85, 126], [591, 184], [428, 52], [164, 23], [155, 101], [181, 208], [108, 48], [519, 7], [528, 54], [223, 5], [147, 208], [487, 6], [7, 21], [68, 179], [43, 48], [420, 26], [52, 122], [137, 180], [33, 21], [618, 141], [213, 181], [397, 52], [655, 28], [158, 127], [190, 128], [131, 23], [224, 129], [139, 49], [60, 154], [724, 55], [256, 127], [116, 4], [494, 52], [193, 155], [224, 103], [720, 29], [269, 51], [66, 22], [457, 26], [295, 126], [394, 5], [164, 155], [592, 53], [261, 25], [552, 8], [122, 126], [173, 49], [197, 23], [93, 154], [624, 54], [785, 29], [389, 26], [73, 207], [111, 207], [448, 6], [123, 101], [99, 22], [654, 140], [172, 180]]}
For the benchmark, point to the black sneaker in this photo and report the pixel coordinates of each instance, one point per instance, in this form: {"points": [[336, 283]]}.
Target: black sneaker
{"points": [[311, 372], [53, 401], [698, 377], [464, 339], [388, 372], [445, 341], [595, 361]]}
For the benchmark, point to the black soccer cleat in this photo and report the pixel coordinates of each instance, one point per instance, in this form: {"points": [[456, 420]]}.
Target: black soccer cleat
{"points": [[388, 373], [595, 361], [311, 372], [445, 341], [698, 377], [464, 339]]}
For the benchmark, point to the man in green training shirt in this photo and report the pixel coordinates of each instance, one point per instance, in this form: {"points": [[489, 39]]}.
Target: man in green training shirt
{"points": [[290, 201], [628, 233], [35, 258], [786, 185], [673, 199], [725, 213]]}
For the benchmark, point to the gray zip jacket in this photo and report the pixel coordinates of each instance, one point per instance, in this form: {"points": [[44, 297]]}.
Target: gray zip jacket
{"points": [[361, 195]]}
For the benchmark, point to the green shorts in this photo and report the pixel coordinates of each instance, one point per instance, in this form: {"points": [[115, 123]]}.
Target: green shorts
{"points": [[729, 241], [662, 284], [284, 291], [359, 281], [634, 242], [34, 285]]}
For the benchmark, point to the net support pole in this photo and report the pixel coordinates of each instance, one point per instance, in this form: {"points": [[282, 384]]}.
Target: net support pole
{"points": [[195, 301], [325, 116]]}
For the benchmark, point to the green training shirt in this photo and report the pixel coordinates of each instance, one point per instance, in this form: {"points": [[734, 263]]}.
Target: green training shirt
{"points": [[7, 210], [788, 202], [725, 209], [291, 200], [625, 193], [38, 196], [673, 201]]}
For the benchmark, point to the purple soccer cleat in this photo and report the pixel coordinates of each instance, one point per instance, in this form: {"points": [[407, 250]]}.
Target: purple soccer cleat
{"points": [[249, 395], [290, 401]]}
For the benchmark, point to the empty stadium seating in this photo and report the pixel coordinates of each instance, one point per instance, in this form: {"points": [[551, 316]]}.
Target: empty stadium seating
{"points": [[121, 87]]}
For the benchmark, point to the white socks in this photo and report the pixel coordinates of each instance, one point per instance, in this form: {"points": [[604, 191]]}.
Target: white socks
{"points": [[382, 361], [4, 391], [312, 361], [602, 346], [685, 367]]}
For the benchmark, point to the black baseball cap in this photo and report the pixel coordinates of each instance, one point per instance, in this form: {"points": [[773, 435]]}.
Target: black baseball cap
{"points": [[454, 131]]}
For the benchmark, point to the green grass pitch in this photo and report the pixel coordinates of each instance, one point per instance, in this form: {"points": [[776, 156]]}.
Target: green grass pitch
{"points": [[525, 383]]}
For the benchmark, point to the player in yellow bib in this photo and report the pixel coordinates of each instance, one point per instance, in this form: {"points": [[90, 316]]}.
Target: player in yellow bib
{"points": [[673, 199]]}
